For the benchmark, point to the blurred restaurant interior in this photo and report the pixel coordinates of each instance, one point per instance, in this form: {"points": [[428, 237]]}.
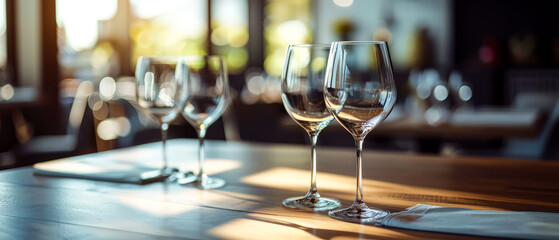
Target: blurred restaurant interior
{"points": [[474, 77]]}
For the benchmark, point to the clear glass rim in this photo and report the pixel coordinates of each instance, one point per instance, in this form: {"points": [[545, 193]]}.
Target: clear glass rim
{"points": [[309, 45], [360, 42]]}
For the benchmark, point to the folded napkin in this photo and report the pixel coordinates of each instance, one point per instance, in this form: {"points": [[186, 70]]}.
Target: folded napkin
{"points": [[100, 168], [489, 223], [497, 117]]}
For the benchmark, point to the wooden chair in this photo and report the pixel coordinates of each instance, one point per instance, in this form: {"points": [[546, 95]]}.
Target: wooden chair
{"points": [[79, 137]]}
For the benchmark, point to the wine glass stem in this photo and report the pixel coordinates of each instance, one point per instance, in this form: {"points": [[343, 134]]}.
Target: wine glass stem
{"points": [[201, 135], [313, 137], [164, 127], [359, 172]]}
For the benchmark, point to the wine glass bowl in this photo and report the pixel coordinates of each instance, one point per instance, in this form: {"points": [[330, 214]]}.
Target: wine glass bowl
{"points": [[360, 92], [207, 93], [159, 93], [302, 87]]}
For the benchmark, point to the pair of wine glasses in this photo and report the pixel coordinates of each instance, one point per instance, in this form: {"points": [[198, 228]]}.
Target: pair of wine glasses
{"points": [[350, 81], [195, 87]]}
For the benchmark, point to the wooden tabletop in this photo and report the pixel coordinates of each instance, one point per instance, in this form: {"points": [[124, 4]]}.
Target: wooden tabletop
{"points": [[258, 178]]}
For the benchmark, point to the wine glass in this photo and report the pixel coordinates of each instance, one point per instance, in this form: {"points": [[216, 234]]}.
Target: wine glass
{"points": [[207, 94], [302, 87], [159, 93], [359, 90]]}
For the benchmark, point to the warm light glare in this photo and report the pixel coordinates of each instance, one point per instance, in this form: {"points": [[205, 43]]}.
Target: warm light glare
{"points": [[79, 19], [65, 165], [343, 3], [154, 207], [292, 31], [281, 227], [111, 128], [287, 22], [230, 12], [108, 129], [124, 126], [148, 8], [293, 179], [212, 165], [2, 17]]}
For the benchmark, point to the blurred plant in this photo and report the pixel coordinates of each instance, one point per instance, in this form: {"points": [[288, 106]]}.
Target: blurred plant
{"points": [[523, 50], [286, 22], [344, 27], [230, 33], [421, 52]]}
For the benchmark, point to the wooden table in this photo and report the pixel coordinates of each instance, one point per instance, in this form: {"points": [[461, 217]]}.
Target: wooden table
{"points": [[259, 177]]}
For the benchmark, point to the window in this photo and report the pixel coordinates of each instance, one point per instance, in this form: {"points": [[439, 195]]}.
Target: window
{"points": [[230, 32], [286, 22], [172, 27], [99, 38], [3, 38], [85, 50]]}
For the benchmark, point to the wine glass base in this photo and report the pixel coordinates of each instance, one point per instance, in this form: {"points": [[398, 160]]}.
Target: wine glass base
{"points": [[158, 174], [359, 213], [209, 183], [183, 177], [202, 183], [312, 203]]}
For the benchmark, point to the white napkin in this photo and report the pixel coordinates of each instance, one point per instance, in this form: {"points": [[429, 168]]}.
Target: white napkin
{"points": [[497, 117], [507, 224]]}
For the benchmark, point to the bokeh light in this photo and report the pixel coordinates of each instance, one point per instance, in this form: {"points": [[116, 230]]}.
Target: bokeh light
{"points": [[343, 3], [107, 129], [292, 31], [318, 64], [465, 93], [237, 59], [107, 88], [7, 92], [111, 128], [440, 93]]}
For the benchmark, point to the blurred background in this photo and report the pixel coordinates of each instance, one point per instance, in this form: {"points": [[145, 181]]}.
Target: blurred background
{"points": [[475, 77]]}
